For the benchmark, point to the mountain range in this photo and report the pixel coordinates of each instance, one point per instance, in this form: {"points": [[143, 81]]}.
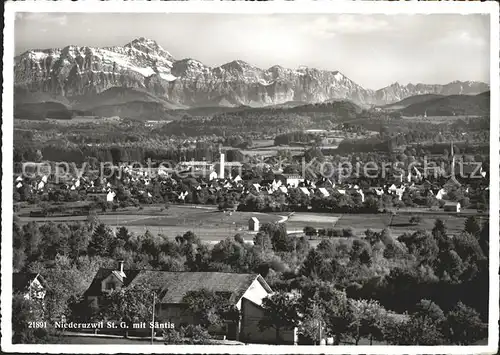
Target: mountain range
{"points": [[141, 75]]}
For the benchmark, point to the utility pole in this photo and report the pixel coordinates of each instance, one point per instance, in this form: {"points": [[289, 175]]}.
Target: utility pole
{"points": [[153, 323], [320, 332]]}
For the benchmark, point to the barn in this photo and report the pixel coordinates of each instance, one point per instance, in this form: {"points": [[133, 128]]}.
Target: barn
{"points": [[245, 291], [452, 207], [253, 224]]}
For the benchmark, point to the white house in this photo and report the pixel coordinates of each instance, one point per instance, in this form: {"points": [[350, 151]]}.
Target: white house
{"points": [[293, 180], [212, 176], [253, 224], [110, 196], [276, 184], [399, 192], [440, 194]]}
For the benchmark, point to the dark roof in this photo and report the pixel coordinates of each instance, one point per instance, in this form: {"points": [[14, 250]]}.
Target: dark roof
{"points": [[173, 286], [22, 280]]}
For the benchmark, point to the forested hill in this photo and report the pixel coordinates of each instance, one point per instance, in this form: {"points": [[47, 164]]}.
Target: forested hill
{"points": [[454, 105], [411, 100]]}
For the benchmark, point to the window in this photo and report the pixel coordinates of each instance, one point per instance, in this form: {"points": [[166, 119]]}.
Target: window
{"points": [[110, 285]]}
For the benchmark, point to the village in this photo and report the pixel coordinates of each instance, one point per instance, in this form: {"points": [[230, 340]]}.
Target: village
{"points": [[310, 180], [311, 207]]}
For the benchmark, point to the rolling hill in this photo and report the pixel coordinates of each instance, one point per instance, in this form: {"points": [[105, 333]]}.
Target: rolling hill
{"points": [[42, 110], [136, 110], [453, 105], [411, 100]]}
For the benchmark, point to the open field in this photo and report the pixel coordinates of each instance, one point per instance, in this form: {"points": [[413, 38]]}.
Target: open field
{"points": [[437, 119], [205, 221], [400, 223], [212, 225], [258, 143], [272, 150], [376, 221], [299, 220], [85, 119]]}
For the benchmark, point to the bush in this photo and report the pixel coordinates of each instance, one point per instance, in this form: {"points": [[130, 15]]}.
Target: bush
{"points": [[348, 233], [191, 334], [196, 334], [415, 220], [310, 231], [173, 336]]}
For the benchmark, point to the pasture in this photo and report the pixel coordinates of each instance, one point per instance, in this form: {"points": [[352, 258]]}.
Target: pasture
{"points": [[437, 119], [205, 221], [212, 225], [359, 223], [299, 220], [85, 119]]}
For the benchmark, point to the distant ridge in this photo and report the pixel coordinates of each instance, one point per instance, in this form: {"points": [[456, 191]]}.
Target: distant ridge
{"points": [[141, 70], [453, 105], [411, 100]]}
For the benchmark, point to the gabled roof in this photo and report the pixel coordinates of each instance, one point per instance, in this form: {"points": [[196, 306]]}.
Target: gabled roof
{"points": [[174, 286]]}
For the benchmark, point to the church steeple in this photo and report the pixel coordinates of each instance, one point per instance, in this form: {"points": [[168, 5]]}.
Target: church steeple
{"points": [[452, 160]]}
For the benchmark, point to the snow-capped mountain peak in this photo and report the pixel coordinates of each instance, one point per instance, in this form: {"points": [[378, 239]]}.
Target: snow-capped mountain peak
{"points": [[142, 63]]}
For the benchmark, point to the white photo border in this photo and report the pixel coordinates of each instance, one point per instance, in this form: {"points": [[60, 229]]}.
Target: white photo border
{"points": [[302, 6]]}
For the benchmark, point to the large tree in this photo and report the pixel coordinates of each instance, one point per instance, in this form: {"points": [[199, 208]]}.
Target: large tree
{"points": [[280, 313], [464, 325], [210, 308], [367, 317], [472, 226], [130, 305]]}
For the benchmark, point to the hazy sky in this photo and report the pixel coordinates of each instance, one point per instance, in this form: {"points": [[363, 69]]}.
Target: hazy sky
{"points": [[372, 50]]}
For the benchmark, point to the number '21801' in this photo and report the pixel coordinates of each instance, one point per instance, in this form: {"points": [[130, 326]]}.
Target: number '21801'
{"points": [[37, 324]]}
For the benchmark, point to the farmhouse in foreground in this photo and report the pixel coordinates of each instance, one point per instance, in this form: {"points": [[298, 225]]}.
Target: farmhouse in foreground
{"points": [[245, 291]]}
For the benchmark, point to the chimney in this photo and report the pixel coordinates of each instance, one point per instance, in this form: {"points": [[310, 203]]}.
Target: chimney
{"points": [[120, 263]]}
